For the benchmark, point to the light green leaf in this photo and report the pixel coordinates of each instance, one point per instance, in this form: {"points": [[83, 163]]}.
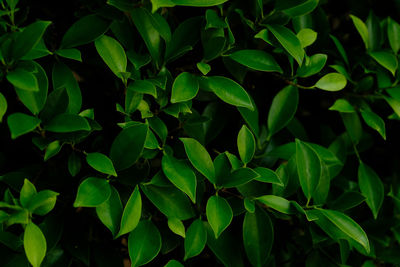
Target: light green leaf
{"points": [[65, 123], [307, 37], [28, 38], [92, 192], [112, 53], [342, 105], [267, 176], [258, 236], [43, 202], [176, 226], [219, 214], [144, 243], [393, 33], [386, 60], [374, 121], [371, 187], [289, 41], [257, 60], [52, 149], [173, 263], [3, 106], [199, 158], [246, 144], [340, 48], [227, 90], [132, 213], [277, 203], [34, 244], [196, 238], [332, 82], [144, 87], [184, 88], [181, 175], [308, 168], [84, 31], [28, 191], [128, 146], [21, 124], [101, 163], [23, 80], [282, 110], [362, 29], [110, 212], [71, 53], [203, 67], [170, 201], [312, 65]]}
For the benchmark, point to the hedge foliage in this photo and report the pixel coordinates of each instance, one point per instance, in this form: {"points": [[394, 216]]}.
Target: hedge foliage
{"points": [[199, 132]]}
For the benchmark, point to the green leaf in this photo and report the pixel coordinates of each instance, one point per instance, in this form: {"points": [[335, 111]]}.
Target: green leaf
{"points": [[344, 227], [374, 121], [371, 187], [184, 88], [258, 236], [203, 67], [101, 163], [23, 80], [307, 37], [277, 203], [65, 123], [289, 41], [239, 177], [303, 8], [228, 91], [144, 243], [132, 213], [246, 144], [312, 65], [92, 192], [181, 175], [198, 3], [52, 149], [196, 238], [144, 23], [34, 244], [110, 211], [267, 176], [21, 124], [28, 38], [219, 214], [74, 164], [144, 87], [282, 110], [70, 53], [393, 33], [340, 48], [362, 29], [176, 226], [28, 191], [112, 53], [172, 263], [3, 106], [170, 201], [128, 146], [353, 126], [43, 202], [199, 158], [332, 82], [308, 168], [386, 60], [342, 105], [257, 60], [84, 31]]}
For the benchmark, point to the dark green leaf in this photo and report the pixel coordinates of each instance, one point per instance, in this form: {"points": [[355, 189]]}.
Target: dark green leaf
{"points": [[393, 33], [219, 214], [196, 238], [65, 123], [21, 124], [246, 144], [184, 88], [110, 211], [267, 176], [23, 80], [101, 163], [257, 60], [277, 203], [3, 106], [92, 192], [112, 53]]}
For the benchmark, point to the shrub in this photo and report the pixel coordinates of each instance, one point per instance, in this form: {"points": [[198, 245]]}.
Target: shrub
{"points": [[171, 132]]}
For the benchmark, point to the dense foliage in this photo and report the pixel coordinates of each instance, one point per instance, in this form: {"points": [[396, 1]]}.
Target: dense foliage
{"points": [[199, 132]]}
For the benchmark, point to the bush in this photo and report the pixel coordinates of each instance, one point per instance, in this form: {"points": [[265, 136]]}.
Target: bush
{"points": [[202, 132]]}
